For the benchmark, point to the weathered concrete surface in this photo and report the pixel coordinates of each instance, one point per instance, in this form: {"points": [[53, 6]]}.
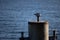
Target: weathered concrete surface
{"points": [[38, 30], [15, 14]]}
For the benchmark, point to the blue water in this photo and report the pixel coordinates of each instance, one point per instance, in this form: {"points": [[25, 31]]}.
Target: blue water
{"points": [[15, 14]]}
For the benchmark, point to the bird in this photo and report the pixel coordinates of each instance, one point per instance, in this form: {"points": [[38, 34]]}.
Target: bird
{"points": [[37, 14]]}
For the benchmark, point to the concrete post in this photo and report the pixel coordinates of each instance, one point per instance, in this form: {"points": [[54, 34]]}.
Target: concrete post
{"points": [[38, 30]]}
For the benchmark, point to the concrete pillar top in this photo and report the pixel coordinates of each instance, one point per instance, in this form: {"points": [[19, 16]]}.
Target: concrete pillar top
{"points": [[39, 22]]}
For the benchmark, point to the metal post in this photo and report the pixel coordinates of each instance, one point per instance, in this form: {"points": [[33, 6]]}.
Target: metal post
{"points": [[54, 35], [22, 36]]}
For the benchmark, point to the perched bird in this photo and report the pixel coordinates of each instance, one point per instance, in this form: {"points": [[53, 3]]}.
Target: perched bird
{"points": [[37, 15]]}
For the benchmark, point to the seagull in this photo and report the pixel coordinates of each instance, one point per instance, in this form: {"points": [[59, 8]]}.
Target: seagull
{"points": [[37, 15]]}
